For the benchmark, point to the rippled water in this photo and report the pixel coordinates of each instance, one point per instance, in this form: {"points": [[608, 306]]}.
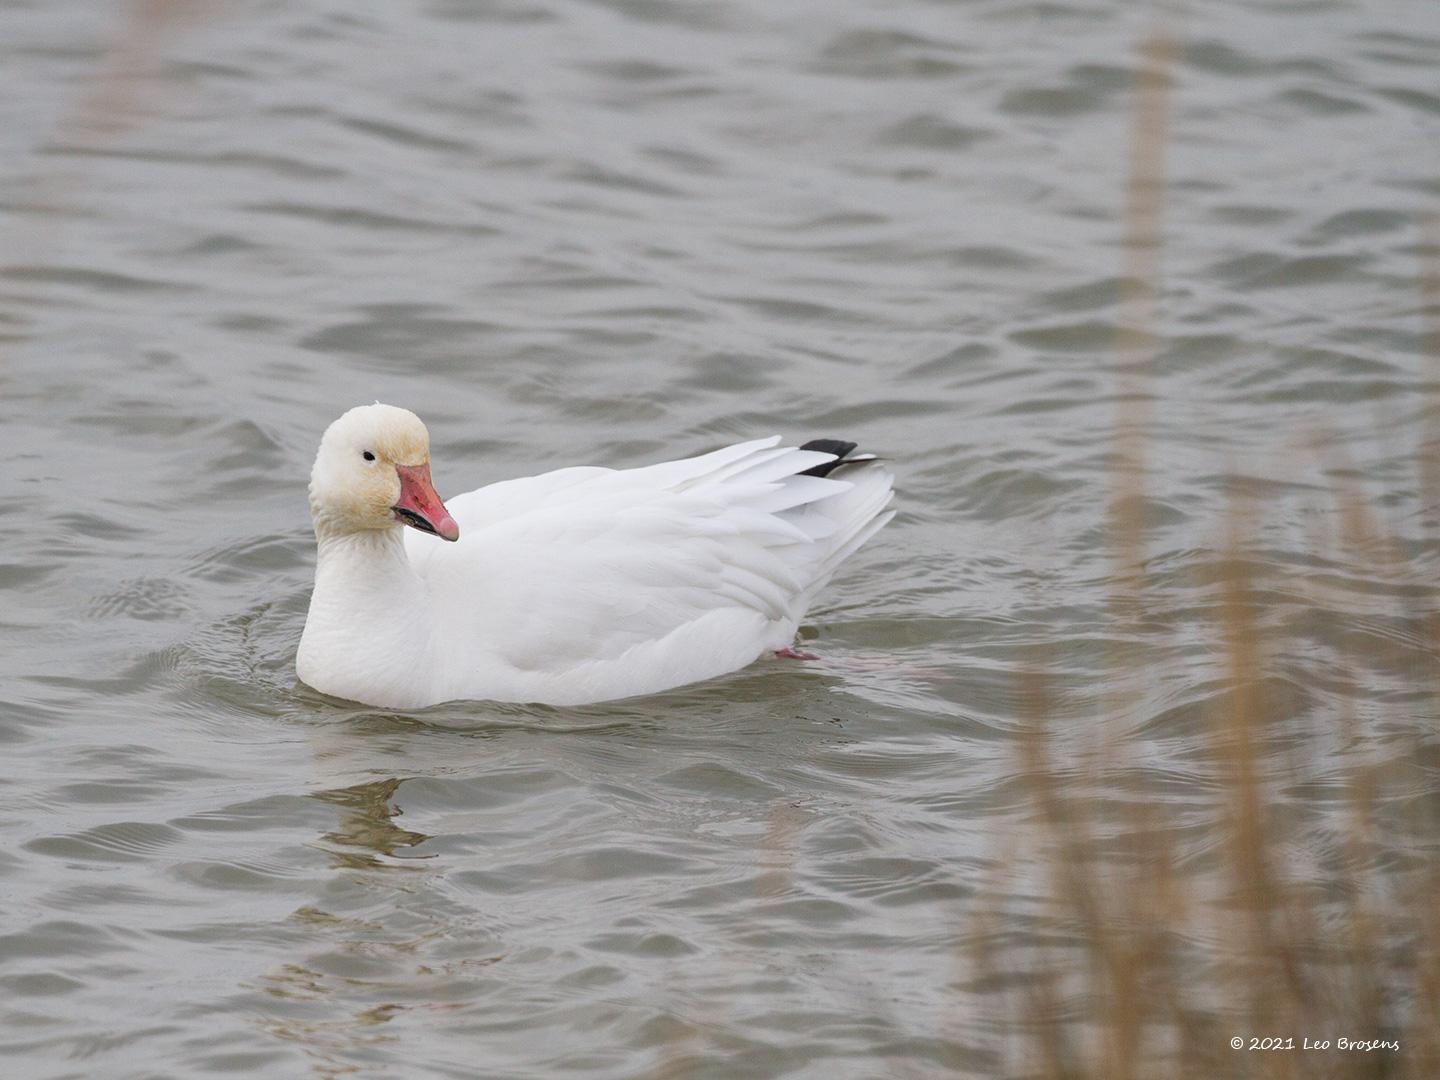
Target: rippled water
{"points": [[614, 232]]}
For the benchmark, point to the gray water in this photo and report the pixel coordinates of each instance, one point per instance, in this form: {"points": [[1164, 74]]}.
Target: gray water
{"points": [[614, 232]]}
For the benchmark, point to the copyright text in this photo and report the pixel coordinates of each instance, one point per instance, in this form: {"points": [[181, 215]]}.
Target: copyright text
{"points": [[1256, 1042]]}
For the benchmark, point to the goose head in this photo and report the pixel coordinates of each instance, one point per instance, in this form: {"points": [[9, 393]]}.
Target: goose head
{"points": [[373, 473]]}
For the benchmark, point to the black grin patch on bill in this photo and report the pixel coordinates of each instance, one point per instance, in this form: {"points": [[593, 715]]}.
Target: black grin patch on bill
{"points": [[412, 518]]}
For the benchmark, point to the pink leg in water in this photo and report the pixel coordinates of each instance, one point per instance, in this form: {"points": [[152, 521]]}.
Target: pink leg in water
{"points": [[788, 653]]}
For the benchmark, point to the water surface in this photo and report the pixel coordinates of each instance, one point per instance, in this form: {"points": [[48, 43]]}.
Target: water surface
{"points": [[614, 232]]}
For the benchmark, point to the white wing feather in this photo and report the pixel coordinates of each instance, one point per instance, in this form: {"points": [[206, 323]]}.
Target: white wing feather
{"points": [[586, 584]]}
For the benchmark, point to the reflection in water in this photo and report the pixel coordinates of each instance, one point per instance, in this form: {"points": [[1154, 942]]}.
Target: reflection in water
{"points": [[333, 1002], [364, 838], [331, 1044], [366, 828]]}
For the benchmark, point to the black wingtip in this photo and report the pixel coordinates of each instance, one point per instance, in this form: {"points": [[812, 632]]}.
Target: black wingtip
{"points": [[839, 447]]}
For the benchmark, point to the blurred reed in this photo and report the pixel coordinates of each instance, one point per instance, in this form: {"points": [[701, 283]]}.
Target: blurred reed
{"points": [[1157, 955], [116, 94], [1144, 954]]}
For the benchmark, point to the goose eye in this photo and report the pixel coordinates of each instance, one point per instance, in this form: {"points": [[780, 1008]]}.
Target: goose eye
{"points": [[368, 456]]}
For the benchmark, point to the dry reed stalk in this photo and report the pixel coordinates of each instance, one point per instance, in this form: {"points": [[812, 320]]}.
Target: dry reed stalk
{"points": [[677, 1056], [1122, 915], [977, 956], [1297, 958], [113, 96], [1137, 312], [108, 104], [1119, 955], [776, 855], [1424, 1034], [1429, 477], [1295, 966], [1430, 414], [1116, 954]]}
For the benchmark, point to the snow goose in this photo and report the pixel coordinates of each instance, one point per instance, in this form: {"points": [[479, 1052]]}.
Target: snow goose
{"points": [[575, 586]]}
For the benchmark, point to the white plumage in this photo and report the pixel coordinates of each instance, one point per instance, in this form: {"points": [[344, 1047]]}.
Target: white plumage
{"points": [[584, 584]]}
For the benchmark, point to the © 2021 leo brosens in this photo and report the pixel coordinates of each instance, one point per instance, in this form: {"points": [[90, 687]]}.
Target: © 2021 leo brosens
{"points": [[1257, 1042]]}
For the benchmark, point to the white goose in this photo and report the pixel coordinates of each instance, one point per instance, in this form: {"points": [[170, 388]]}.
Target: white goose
{"points": [[576, 586]]}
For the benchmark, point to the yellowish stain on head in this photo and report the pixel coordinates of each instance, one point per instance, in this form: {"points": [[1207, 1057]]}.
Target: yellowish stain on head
{"points": [[348, 491], [393, 434]]}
